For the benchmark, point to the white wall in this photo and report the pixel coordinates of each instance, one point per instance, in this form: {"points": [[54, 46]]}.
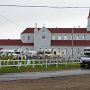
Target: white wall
{"points": [[24, 38]]}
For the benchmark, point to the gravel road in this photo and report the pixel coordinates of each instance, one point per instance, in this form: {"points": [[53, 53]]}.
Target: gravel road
{"points": [[38, 75]]}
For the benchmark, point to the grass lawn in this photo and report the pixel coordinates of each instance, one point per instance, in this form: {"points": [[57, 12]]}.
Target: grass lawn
{"points": [[38, 68]]}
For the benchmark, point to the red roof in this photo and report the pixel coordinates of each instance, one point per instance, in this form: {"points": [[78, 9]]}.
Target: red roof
{"points": [[69, 42], [14, 42], [10, 42], [28, 30], [68, 30], [59, 30]]}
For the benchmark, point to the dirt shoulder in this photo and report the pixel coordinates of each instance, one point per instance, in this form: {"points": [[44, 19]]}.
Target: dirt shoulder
{"points": [[56, 83]]}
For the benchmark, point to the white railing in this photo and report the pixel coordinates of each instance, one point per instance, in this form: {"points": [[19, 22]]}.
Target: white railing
{"points": [[36, 62]]}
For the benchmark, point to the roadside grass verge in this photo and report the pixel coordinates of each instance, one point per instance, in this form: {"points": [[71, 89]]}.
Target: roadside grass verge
{"points": [[52, 67], [30, 68]]}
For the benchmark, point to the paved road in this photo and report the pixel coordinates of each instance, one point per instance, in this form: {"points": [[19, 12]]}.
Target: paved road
{"points": [[38, 75]]}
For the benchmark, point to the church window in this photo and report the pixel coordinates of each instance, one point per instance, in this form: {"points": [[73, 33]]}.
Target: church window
{"points": [[24, 38], [28, 37], [77, 37], [65, 37], [71, 37], [59, 37], [53, 37], [84, 37]]}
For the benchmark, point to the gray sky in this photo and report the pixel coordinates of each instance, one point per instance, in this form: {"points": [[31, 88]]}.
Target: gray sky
{"points": [[13, 20]]}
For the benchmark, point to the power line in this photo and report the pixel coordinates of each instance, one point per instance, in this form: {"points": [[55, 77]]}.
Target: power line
{"points": [[32, 6], [9, 20], [39, 6]]}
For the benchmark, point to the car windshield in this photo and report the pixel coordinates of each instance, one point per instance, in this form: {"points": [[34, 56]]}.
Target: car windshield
{"points": [[86, 55]]}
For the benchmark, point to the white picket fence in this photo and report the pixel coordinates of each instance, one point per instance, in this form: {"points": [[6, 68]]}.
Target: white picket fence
{"points": [[36, 62]]}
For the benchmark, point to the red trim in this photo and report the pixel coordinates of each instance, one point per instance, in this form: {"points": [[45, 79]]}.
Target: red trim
{"points": [[69, 42], [53, 42], [27, 44]]}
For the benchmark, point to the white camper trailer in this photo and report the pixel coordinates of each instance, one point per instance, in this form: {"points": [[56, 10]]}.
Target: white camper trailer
{"points": [[50, 53], [5, 52], [85, 59]]}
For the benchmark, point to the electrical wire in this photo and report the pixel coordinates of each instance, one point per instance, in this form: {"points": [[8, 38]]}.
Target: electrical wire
{"points": [[7, 19], [39, 6], [32, 7]]}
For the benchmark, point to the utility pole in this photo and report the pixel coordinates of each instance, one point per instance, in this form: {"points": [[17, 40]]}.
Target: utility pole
{"points": [[72, 43]]}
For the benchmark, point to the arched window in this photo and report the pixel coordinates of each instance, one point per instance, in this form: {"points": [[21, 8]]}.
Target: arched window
{"points": [[77, 37], [28, 38], [59, 37], [65, 37], [84, 37]]}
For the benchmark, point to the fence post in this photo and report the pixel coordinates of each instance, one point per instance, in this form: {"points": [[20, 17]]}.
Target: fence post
{"points": [[25, 63], [28, 61], [41, 63], [73, 61], [46, 63], [8, 62], [56, 63], [65, 63], [33, 63], [18, 64]]}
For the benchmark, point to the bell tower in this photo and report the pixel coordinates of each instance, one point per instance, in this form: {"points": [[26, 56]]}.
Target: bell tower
{"points": [[35, 38], [88, 22]]}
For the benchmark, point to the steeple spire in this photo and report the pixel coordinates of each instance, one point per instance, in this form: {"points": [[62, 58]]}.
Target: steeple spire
{"points": [[88, 21], [89, 14]]}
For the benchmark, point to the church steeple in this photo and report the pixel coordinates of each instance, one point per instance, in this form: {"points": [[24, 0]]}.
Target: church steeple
{"points": [[35, 37], [88, 22], [89, 14]]}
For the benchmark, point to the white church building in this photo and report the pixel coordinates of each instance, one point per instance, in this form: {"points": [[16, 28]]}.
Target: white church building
{"points": [[70, 40]]}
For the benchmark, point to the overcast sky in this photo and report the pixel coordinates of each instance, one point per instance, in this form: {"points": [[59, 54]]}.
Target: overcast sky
{"points": [[13, 20]]}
